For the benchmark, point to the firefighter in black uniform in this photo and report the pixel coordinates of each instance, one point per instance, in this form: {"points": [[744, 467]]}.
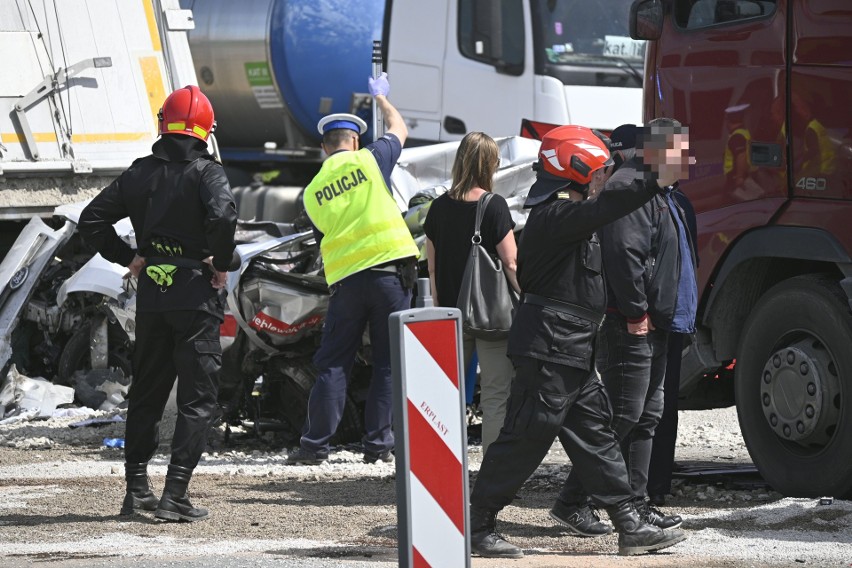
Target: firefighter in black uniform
{"points": [[555, 391], [183, 213]]}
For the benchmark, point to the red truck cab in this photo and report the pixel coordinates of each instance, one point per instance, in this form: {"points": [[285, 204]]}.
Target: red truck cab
{"points": [[765, 87]]}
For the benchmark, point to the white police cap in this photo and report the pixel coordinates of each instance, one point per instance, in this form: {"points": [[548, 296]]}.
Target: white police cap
{"points": [[342, 120]]}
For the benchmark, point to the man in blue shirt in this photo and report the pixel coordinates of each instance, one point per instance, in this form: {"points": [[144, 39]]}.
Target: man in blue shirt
{"points": [[649, 267]]}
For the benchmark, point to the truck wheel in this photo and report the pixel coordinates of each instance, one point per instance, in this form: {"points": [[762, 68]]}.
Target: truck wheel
{"points": [[793, 385], [76, 353], [297, 378]]}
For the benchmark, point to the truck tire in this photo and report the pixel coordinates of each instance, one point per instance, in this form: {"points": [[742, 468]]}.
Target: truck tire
{"points": [[793, 386]]}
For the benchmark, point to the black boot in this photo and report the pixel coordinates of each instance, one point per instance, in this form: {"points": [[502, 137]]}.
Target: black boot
{"points": [[636, 537], [174, 504], [139, 496], [484, 539], [653, 516]]}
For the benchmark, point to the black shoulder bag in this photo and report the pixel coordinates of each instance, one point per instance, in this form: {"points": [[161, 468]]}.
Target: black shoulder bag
{"points": [[486, 300]]}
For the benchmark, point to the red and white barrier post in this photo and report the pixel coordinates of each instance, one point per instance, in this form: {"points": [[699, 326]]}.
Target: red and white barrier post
{"points": [[431, 435]]}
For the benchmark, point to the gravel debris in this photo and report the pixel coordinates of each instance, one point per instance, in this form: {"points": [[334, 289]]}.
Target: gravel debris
{"points": [[60, 489]]}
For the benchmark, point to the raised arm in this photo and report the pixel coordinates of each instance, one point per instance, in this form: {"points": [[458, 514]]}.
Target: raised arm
{"points": [[379, 88]]}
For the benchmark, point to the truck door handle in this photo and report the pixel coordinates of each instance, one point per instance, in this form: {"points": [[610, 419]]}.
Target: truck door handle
{"points": [[454, 125], [765, 154]]}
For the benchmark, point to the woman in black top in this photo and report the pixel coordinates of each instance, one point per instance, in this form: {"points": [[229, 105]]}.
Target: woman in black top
{"points": [[449, 230]]}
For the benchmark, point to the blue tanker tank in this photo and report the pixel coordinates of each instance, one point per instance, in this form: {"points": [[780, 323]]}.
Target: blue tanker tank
{"points": [[273, 68]]}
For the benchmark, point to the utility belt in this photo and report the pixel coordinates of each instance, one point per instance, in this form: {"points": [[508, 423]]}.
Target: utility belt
{"points": [[405, 268], [563, 307], [163, 257]]}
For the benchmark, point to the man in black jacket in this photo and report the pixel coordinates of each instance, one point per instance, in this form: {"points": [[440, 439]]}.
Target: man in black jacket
{"points": [[182, 211], [651, 291], [555, 390]]}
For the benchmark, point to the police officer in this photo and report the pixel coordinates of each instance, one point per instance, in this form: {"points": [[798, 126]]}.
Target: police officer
{"points": [[555, 390], [182, 210], [369, 258]]}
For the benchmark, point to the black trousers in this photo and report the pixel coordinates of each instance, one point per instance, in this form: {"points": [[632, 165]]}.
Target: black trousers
{"points": [[549, 400], [632, 368], [663, 449], [181, 343]]}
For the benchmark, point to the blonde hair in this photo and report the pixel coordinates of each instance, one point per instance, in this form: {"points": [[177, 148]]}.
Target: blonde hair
{"points": [[476, 161]]}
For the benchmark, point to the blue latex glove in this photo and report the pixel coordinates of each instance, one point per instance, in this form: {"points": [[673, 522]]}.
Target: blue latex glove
{"points": [[379, 85]]}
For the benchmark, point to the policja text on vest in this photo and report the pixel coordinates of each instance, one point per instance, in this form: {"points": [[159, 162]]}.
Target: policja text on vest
{"points": [[347, 182]]}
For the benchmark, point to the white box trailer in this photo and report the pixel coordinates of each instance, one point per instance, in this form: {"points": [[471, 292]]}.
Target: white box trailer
{"points": [[81, 82]]}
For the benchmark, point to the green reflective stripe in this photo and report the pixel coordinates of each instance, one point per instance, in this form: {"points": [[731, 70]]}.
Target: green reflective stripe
{"points": [[341, 263], [354, 237], [176, 126], [200, 131]]}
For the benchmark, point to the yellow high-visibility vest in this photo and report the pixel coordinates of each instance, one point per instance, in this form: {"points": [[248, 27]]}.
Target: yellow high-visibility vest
{"points": [[823, 164], [362, 226], [729, 156]]}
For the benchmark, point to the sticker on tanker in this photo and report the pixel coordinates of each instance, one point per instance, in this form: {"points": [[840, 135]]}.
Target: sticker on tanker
{"points": [[623, 46], [260, 80], [269, 324]]}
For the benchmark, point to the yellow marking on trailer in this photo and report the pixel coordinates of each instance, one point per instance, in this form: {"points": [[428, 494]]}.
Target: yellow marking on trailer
{"points": [[110, 137], [13, 138], [152, 25], [153, 83]]}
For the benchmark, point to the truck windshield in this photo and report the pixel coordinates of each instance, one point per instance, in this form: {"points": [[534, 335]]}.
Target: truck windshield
{"points": [[586, 34]]}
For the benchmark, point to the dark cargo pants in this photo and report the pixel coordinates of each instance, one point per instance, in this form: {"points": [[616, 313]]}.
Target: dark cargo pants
{"points": [[182, 343], [549, 400]]}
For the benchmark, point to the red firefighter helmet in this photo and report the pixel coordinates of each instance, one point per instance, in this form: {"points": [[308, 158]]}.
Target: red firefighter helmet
{"points": [[573, 152], [568, 155], [187, 111]]}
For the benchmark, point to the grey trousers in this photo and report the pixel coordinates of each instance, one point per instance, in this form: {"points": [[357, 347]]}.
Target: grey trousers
{"points": [[495, 376]]}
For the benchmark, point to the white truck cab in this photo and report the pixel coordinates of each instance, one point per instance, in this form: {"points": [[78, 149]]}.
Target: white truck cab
{"points": [[464, 65]]}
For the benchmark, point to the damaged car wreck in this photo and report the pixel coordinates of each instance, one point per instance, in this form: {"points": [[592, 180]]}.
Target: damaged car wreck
{"points": [[67, 316]]}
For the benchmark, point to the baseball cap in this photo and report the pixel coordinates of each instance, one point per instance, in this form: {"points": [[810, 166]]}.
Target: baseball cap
{"points": [[624, 137]]}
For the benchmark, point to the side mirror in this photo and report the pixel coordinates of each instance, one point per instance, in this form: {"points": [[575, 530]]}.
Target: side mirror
{"points": [[646, 19]]}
